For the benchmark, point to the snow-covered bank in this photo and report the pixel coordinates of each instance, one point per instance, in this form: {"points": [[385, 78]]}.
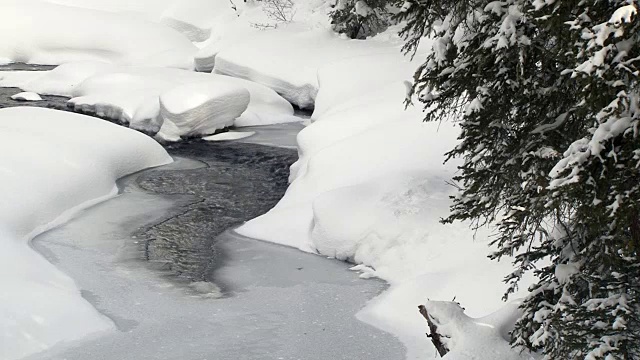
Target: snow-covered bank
{"points": [[134, 95], [34, 31], [370, 187], [306, 51], [276, 302], [193, 18], [288, 58], [53, 164]]}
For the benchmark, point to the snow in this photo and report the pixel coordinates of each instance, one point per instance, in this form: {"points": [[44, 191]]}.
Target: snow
{"points": [[26, 96], [81, 158], [192, 18], [564, 272], [476, 339], [370, 187], [55, 34], [132, 95], [287, 58], [306, 53], [203, 108], [196, 18], [370, 184]]}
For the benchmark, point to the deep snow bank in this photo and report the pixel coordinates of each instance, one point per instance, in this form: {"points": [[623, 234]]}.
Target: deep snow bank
{"points": [[305, 52], [52, 164], [193, 18], [370, 187], [34, 31], [132, 95], [287, 58]]}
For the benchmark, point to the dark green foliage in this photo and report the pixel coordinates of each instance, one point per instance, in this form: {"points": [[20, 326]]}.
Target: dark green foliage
{"points": [[547, 98], [359, 19]]}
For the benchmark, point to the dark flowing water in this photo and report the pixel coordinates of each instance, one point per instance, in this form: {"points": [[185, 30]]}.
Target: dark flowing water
{"points": [[238, 182], [51, 102]]}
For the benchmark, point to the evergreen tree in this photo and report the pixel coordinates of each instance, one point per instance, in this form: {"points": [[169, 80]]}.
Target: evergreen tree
{"points": [[547, 96], [359, 19]]}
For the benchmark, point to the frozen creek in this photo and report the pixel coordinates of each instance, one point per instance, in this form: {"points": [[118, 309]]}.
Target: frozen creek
{"points": [[268, 301]]}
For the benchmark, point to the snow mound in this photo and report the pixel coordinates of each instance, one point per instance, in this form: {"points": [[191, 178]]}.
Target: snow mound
{"points": [[26, 96], [283, 56], [65, 34], [131, 95], [66, 162], [195, 18], [203, 108], [370, 187], [305, 53], [476, 339]]}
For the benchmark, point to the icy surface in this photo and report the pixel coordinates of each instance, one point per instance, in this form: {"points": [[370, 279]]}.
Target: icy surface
{"points": [[80, 157], [280, 135], [54, 34], [277, 302], [230, 135]]}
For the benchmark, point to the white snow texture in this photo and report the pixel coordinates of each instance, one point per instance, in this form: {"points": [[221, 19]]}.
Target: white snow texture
{"points": [[54, 164], [369, 186]]}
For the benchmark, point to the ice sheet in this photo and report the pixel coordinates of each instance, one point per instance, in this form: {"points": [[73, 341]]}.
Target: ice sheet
{"points": [[278, 303]]}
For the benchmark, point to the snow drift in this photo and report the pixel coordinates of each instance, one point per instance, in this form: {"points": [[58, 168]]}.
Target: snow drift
{"points": [[370, 187], [132, 95], [53, 164], [193, 18], [34, 31], [203, 108]]}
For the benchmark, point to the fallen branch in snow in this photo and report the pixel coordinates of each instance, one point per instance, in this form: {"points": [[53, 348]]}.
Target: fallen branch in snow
{"points": [[433, 332]]}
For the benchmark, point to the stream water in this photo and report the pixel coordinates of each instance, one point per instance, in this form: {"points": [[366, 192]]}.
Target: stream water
{"points": [[162, 262]]}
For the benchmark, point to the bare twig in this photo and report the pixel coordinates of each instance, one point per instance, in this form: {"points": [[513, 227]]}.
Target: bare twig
{"points": [[279, 10]]}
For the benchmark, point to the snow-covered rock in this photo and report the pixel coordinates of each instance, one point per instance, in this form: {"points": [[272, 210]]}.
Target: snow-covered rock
{"points": [[66, 162], [35, 31], [203, 108], [26, 96], [131, 94]]}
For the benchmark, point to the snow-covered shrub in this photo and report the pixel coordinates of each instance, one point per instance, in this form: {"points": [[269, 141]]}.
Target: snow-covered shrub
{"points": [[548, 97], [278, 12], [359, 19]]}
